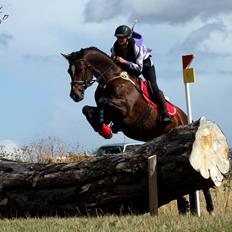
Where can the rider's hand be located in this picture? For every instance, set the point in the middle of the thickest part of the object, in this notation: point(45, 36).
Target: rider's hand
point(114, 58)
point(121, 60)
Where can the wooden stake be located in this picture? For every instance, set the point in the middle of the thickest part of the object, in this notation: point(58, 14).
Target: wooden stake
point(153, 190)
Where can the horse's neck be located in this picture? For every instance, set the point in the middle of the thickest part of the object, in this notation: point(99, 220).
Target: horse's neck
point(103, 65)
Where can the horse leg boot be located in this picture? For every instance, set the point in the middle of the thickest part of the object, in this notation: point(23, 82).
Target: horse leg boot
point(160, 99)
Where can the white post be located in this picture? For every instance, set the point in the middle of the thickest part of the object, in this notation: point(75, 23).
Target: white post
point(189, 77)
point(188, 102)
point(189, 112)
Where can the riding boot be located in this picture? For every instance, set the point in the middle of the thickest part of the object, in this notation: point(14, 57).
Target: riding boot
point(165, 117)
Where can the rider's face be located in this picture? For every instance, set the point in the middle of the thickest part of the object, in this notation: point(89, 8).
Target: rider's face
point(121, 40)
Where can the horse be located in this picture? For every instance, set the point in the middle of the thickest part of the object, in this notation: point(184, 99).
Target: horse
point(121, 99)
point(118, 97)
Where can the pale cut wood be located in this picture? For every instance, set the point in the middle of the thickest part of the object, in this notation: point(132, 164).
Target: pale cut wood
point(209, 153)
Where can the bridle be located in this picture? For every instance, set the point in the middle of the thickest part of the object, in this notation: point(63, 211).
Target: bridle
point(86, 83)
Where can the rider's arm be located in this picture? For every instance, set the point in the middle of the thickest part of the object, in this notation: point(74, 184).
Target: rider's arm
point(141, 54)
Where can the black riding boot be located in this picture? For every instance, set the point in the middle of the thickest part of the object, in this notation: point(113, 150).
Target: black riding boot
point(158, 97)
point(165, 117)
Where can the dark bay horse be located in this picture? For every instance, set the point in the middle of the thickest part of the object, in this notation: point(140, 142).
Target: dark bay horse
point(118, 97)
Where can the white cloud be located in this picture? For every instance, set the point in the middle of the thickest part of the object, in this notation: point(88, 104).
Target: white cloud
point(159, 11)
point(195, 40)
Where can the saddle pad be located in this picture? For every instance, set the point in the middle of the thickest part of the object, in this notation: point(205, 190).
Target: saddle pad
point(171, 109)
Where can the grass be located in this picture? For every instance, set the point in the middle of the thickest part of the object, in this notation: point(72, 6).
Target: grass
point(141, 223)
point(168, 219)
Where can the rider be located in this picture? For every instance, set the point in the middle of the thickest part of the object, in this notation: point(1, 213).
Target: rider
point(136, 60)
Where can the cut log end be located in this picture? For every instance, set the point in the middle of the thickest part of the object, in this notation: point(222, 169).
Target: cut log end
point(209, 154)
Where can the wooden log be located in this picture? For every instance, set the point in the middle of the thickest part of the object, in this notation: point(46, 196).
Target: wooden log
point(189, 158)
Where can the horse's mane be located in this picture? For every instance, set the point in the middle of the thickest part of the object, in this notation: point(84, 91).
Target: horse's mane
point(79, 54)
point(98, 50)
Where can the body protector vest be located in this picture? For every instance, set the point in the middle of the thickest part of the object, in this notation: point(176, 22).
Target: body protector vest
point(126, 52)
point(129, 52)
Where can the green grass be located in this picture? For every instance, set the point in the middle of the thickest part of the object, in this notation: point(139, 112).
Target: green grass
point(117, 224)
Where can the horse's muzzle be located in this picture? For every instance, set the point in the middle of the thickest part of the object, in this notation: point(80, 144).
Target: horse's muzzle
point(76, 97)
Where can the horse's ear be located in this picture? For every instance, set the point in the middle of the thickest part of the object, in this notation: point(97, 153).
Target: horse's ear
point(81, 52)
point(66, 56)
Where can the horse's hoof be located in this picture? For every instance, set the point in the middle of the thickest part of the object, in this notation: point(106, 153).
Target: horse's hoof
point(115, 129)
point(211, 213)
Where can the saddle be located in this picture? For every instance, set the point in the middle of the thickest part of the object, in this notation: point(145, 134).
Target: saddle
point(146, 93)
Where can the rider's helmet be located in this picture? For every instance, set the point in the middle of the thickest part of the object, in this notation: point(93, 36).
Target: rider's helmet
point(123, 31)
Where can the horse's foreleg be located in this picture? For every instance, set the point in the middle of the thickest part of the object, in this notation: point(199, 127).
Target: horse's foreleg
point(92, 115)
point(109, 109)
point(95, 116)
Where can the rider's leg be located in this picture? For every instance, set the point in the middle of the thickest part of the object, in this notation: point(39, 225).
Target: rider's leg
point(164, 112)
point(157, 96)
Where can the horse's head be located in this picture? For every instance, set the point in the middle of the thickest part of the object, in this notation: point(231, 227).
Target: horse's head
point(80, 73)
point(86, 64)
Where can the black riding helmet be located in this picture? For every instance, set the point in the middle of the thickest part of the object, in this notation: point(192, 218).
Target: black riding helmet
point(123, 31)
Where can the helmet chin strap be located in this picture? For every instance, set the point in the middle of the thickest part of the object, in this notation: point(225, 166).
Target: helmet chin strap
point(124, 45)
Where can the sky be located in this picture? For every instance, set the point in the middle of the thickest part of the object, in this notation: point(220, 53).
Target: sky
point(35, 85)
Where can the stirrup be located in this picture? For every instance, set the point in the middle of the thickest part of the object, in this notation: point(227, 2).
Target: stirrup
point(166, 119)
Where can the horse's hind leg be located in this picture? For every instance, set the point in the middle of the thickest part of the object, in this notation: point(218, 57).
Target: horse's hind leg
point(208, 200)
point(183, 205)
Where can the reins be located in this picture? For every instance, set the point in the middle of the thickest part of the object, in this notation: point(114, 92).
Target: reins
point(100, 79)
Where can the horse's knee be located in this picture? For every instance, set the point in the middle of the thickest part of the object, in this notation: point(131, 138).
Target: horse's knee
point(85, 110)
point(89, 111)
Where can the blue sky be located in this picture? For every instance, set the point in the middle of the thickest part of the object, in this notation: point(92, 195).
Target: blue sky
point(34, 96)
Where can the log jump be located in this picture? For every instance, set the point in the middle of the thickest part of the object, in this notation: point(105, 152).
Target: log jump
point(189, 158)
